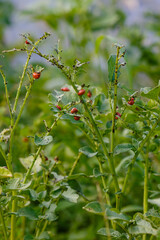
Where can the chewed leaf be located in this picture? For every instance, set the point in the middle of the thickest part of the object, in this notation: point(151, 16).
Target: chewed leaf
point(142, 227)
point(5, 173)
point(113, 233)
point(70, 195)
point(26, 162)
point(43, 141)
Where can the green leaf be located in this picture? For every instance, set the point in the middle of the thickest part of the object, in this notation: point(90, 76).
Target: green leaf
point(71, 118)
point(113, 214)
point(123, 165)
point(155, 201)
point(50, 213)
point(5, 173)
point(153, 213)
point(98, 42)
point(142, 227)
point(93, 207)
point(77, 175)
point(43, 141)
point(28, 212)
point(70, 195)
point(88, 151)
point(43, 235)
point(124, 147)
point(132, 208)
point(151, 93)
point(101, 103)
point(113, 233)
point(55, 97)
point(56, 193)
point(111, 67)
point(97, 173)
point(26, 162)
point(28, 237)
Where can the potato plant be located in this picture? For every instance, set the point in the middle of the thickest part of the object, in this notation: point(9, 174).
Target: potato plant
point(116, 136)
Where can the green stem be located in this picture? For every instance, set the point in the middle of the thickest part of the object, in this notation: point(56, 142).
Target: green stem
point(9, 166)
point(39, 150)
point(145, 194)
point(70, 77)
point(113, 120)
point(75, 164)
point(103, 182)
point(23, 105)
point(144, 141)
point(7, 95)
point(24, 71)
point(3, 225)
point(13, 218)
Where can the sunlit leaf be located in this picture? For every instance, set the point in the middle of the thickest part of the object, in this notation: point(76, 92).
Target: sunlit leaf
point(5, 173)
point(26, 162)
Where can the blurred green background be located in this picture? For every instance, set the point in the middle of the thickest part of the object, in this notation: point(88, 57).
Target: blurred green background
point(87, 30)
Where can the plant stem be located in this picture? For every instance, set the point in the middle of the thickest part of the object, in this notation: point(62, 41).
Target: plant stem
point(24, 71)
point(113, 120)
point(75, 164)
point(7, 95)
point(70, 77)
point(39, 150)
point(145, 194)
point(13, 218)
point(144, 141)
point(3, 225)
point(23, 105)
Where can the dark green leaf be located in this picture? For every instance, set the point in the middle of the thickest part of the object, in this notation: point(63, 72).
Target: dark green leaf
point(28, 212)
point(111, 67)
point(93, 207)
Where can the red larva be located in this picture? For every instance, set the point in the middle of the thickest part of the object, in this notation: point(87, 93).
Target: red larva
point(36, 75)
point(25, 139)
point(74, 110)
point(77, 118)
point(89, 94)
point(81, 92)
point(57, 106)
point(118, 114)
point(65, 89)
point(26, 42)
point(131, 102)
